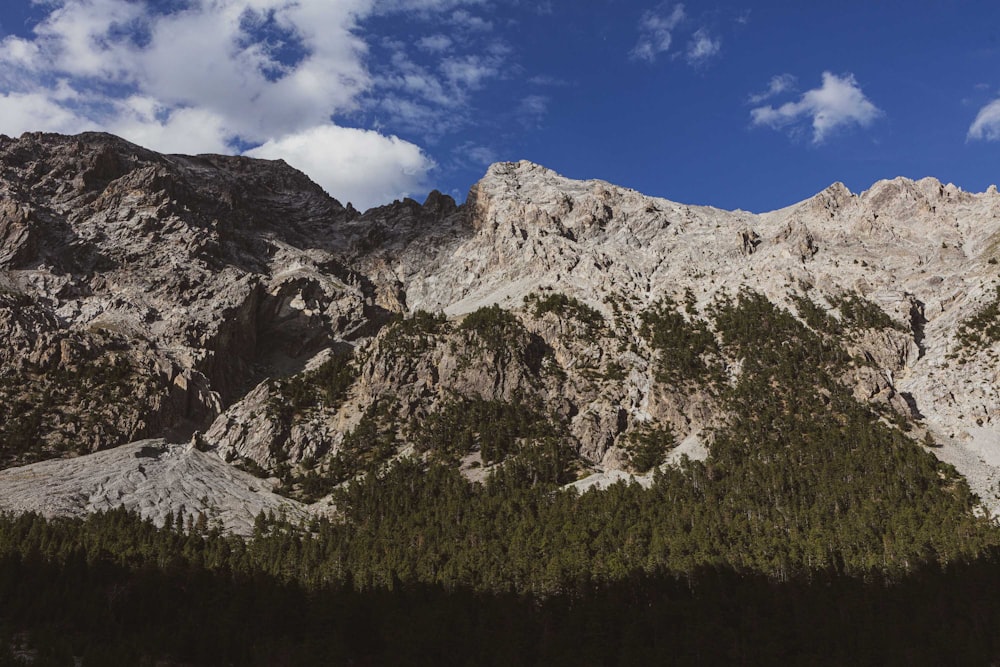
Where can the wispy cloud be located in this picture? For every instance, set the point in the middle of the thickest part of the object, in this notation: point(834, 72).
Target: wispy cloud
point(428, 88)
point(435, 43)
point(533, 108)
point(702, 47)
point(986, 126)
point(467, 21)
point(838, 103)
point(470, 153)
point(779, 84)
point(543, 80)
point(470, 71)
point(656, 33)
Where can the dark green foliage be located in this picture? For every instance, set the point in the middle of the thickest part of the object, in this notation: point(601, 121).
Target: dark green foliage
point(542, 462)
point(802, 480)
point(364, 450)
point(373, 441)
point(501, 335)
point(690, 301)
point(982, 329)
point(820, 480)
point(249, 465)
point(812, 520)
point(860, 313)
point(856, 312)
point(413, 335)
point(493, 326)
point(325, 386)
point(770, 340)
point(567, 307)
point(54, 411)
point(647, 446)
point(460, 426)
point(815, 316)
point(614, 371)
point(114, 590)
point(687, 351)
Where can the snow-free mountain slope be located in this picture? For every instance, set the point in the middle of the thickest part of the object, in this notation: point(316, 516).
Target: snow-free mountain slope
point(302, 338)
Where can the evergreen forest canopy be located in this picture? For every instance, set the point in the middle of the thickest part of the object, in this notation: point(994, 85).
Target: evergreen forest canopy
point(815, 518)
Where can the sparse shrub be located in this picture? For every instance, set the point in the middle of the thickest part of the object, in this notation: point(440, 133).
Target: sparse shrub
point(325, 386)
point(567, 307)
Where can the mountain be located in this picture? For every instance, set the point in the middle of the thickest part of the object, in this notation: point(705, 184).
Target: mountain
point(231, 304)
point(562, 423)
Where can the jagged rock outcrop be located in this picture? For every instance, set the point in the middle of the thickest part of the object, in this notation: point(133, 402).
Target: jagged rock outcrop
point(214, 271)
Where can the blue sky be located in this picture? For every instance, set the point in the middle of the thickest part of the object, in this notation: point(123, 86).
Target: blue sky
point(752, 105)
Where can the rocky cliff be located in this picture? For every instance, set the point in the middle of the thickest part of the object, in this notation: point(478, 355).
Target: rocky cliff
point(232, 301)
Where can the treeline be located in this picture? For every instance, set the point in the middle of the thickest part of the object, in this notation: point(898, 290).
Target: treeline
point(115, 596)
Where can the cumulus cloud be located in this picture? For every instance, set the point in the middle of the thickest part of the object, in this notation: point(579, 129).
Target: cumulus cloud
point(656, 33)
point(216, 75)
point(986, 127)
point(26, 112)
point(372, 167)
point(838, 103)
point(702, 47)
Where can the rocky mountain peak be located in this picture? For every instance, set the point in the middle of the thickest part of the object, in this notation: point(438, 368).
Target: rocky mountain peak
point(211, 293)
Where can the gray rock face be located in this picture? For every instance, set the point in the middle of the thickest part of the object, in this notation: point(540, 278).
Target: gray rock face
point(201, 278)
point(209, 272)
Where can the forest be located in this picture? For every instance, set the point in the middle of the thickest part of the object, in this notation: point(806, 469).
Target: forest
point(818, 531)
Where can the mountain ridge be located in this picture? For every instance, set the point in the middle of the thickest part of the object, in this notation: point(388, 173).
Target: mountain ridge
point(227, 286)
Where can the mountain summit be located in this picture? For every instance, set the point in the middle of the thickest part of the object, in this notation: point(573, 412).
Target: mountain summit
point(231, 303)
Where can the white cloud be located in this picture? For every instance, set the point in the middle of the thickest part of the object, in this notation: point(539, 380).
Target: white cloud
point(779, 83)
point(656, 33)
point(416, 80)
point(481, 155)
point(986, 127)
point(372, 167)
point(546, 80)
point(420, 117)
point(423, 6)
point(435, 43)
point(470, 71)
point(533, 109)
point(463, 19)
point(28, 112)
point(211, 75)
point(838, 103)
point(186, 130)
point(534, 105)
point(19, 53)
point(702, 47)
point(433, 99)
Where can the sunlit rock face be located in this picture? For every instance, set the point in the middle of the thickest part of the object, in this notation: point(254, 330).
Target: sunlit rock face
point(155, 296)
